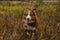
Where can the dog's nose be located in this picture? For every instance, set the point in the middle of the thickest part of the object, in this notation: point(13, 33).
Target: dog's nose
point(28, 19)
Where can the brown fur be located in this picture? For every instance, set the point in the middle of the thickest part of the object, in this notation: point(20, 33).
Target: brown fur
point(32, 16)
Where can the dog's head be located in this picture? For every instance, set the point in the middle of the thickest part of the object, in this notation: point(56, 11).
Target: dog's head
point(29, 15)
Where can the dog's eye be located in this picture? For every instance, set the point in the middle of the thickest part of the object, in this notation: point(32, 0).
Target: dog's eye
point(32, 14)
point(25, 14)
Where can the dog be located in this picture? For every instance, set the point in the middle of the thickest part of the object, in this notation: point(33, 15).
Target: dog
point(30, 16)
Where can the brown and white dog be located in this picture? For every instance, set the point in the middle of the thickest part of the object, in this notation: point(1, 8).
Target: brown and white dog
point(29, 14)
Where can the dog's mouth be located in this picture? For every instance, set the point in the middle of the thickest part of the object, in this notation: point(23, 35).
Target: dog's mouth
point(28, 19)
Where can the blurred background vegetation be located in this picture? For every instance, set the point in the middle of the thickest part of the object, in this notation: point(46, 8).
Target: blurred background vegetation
point(11, 14)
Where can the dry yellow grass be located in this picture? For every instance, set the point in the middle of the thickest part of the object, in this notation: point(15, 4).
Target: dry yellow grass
point(11, 26)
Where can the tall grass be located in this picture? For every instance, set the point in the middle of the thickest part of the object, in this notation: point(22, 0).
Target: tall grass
point(11, 26)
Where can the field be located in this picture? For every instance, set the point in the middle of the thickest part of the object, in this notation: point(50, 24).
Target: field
point(11, 25)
